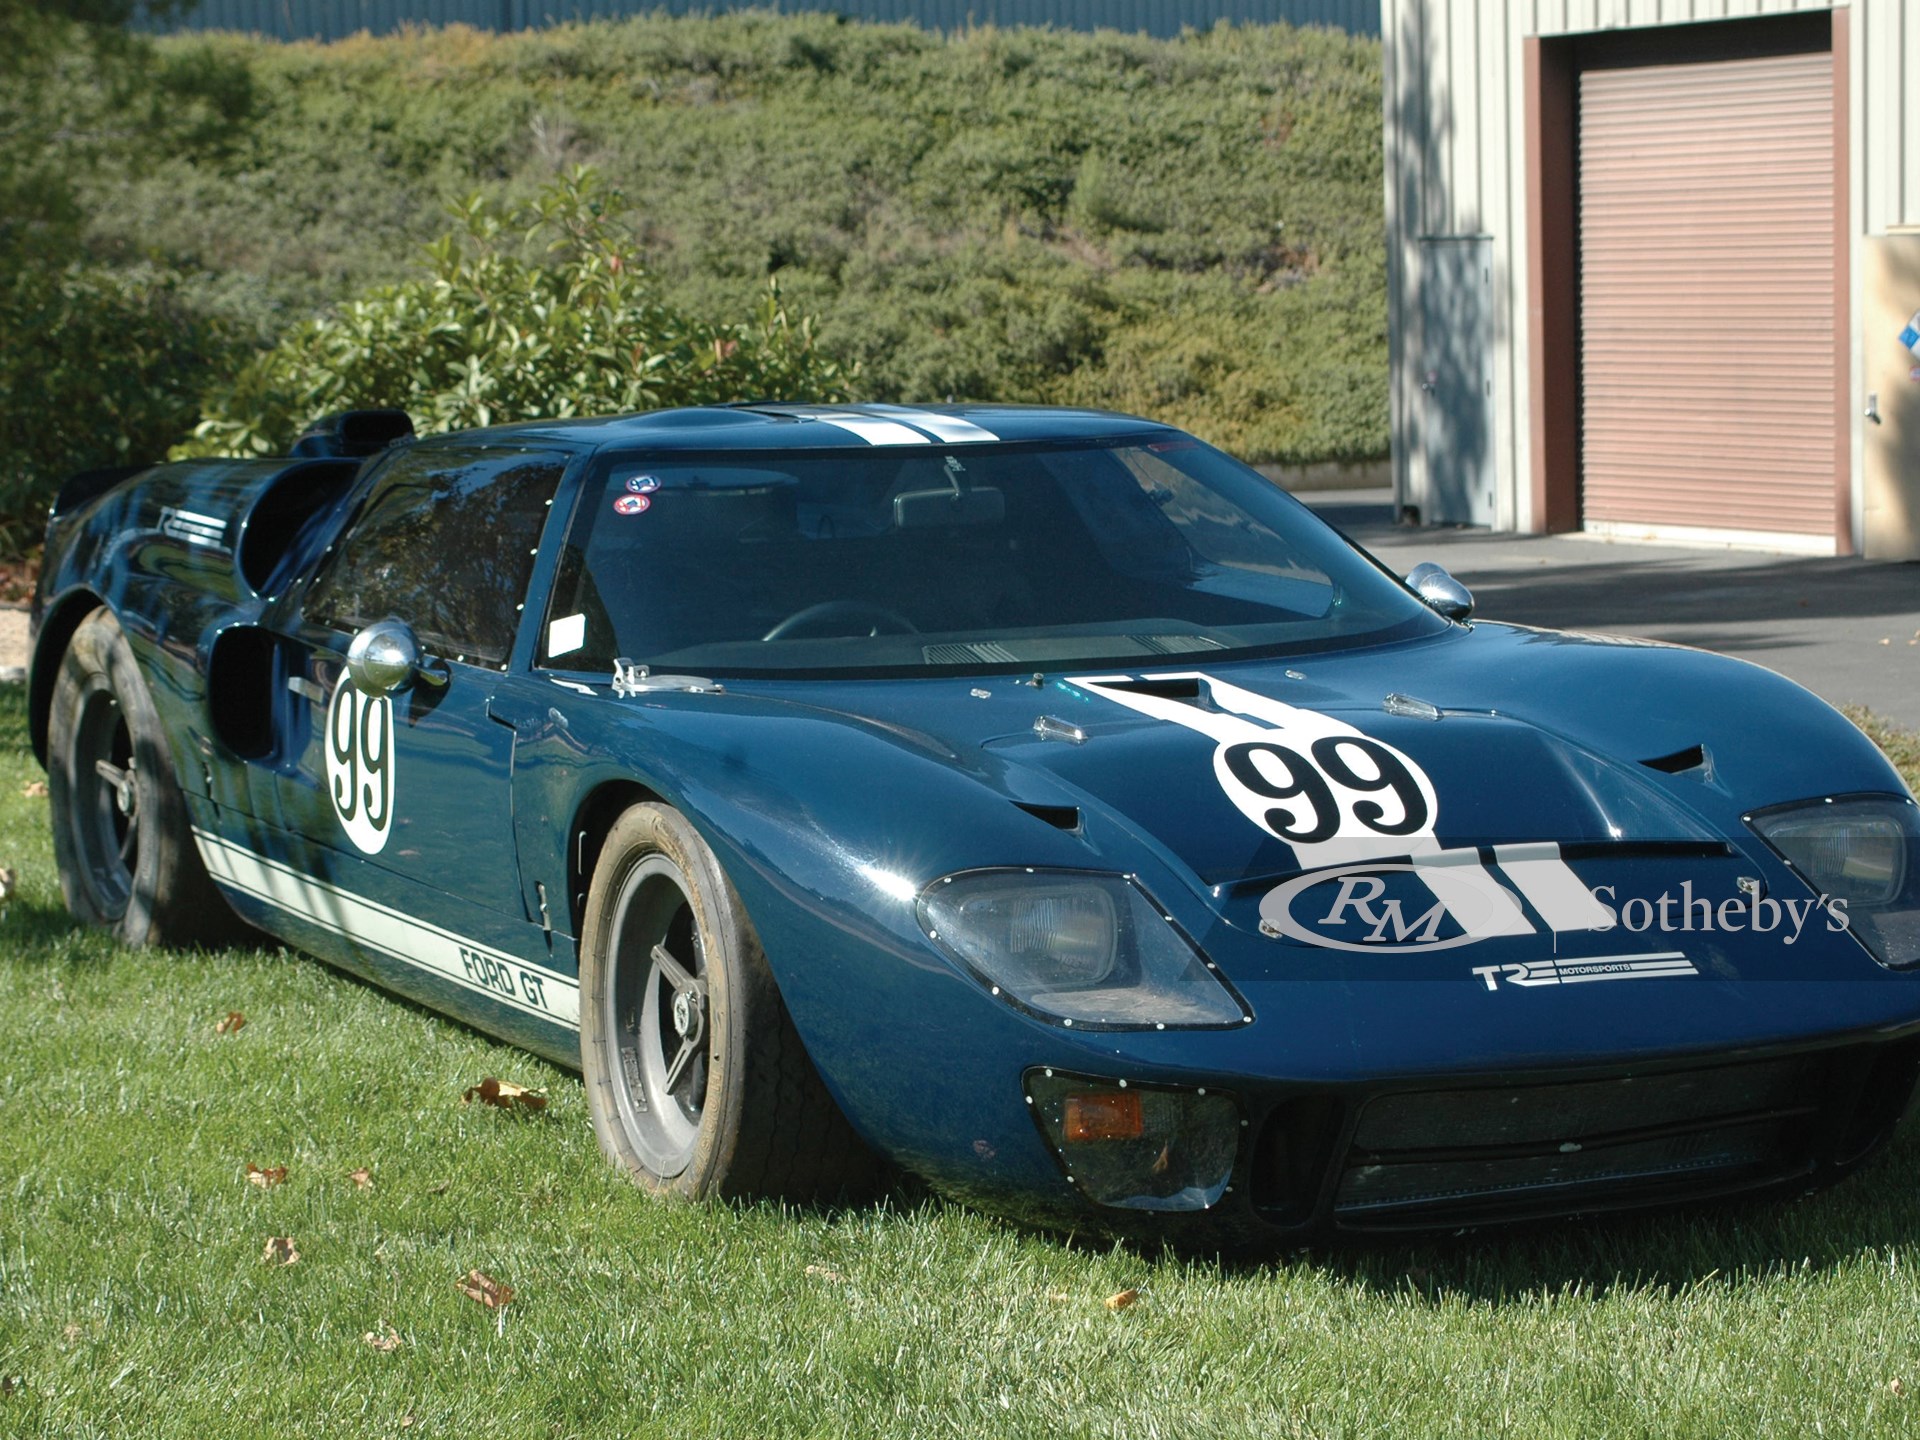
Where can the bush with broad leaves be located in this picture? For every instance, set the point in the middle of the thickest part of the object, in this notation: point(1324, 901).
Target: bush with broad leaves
point(534, 311)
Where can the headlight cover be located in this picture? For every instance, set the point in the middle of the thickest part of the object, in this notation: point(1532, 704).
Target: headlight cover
point(1858, 853)
point(1081, 949)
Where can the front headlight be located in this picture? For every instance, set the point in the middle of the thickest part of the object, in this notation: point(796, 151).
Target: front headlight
point(1857, 854)
point(1080, 949)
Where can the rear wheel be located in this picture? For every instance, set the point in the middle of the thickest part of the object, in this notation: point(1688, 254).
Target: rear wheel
point(695, 1077)
point(121, 838)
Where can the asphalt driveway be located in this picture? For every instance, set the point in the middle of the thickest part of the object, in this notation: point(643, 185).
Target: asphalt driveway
point(1848, 630)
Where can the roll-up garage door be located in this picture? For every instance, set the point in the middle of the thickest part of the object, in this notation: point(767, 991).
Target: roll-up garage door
point(1707, 306)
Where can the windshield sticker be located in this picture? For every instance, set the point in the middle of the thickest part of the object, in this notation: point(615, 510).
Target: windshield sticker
point(643, 484)
point(632, 505)
point(360, 765)
point(564, 636)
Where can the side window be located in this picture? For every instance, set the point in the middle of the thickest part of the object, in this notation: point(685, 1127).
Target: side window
point(445, 541)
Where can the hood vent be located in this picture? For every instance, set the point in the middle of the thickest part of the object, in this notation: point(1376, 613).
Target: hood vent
point(1173, 687)
point(1694, 757)
point(1061, 817)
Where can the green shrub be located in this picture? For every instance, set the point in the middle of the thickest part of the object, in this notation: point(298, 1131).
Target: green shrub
point(489, 337)
point(97, 368)
point(1188, 228)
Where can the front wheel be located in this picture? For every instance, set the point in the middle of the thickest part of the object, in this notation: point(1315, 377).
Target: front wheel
point(121, 838)
point(697, 1082)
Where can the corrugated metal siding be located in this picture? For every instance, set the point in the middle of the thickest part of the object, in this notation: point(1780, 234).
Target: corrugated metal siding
point(332, 19)
point(1886, 98)
point(1567, 17)
point(1706, 305)
point(1454, 111)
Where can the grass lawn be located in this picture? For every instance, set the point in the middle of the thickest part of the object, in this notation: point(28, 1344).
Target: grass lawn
point(134, 1299)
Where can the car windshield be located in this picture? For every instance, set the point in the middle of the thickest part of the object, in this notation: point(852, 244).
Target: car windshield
point(950, 559)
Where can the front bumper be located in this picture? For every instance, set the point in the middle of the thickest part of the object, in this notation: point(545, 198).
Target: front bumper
point(1478, 1150)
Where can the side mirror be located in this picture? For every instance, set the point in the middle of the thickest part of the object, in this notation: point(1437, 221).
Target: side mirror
point(385, 657)
point(1440, 590)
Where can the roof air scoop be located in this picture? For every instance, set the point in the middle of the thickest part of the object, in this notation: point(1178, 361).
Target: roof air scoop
point(352, 434)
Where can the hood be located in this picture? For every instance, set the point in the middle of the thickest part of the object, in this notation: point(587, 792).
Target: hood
point(1243, 774)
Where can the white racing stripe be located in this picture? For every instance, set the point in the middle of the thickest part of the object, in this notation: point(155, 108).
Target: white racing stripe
point(950, 428)
point(870, 429)
point(531, 989)
point(1551, 887)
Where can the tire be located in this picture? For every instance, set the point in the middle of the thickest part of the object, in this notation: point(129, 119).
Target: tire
point(121, 838)
point(697, 1081)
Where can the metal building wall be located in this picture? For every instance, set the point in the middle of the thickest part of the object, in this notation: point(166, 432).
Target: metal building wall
point(332, 19)
point(1456, 151)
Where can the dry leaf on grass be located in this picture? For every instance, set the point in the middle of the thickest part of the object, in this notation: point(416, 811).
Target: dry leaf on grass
point(34, 790)
point(484, 1289)
point(386, 1339)
point(233, 1021)
point(826, 1272)
point(73, 1333)
point(279, 1251)
point(439, 1187)
point(406, 1422)
point(9, 1384)
point(1121, 1300)
point(1896, 1387)
point(266, 1179)
point(505, 1094)
point(362, 1178)
point(8, 879)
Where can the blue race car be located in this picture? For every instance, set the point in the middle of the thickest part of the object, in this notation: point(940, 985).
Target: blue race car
point(1038, 800)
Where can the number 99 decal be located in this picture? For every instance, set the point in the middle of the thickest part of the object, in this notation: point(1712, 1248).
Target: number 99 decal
point(1332, 792)
point(359, 743)
point(1341, 785)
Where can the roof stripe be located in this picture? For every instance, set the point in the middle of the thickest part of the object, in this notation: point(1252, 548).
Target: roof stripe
point(950, 428)
point(869, 428)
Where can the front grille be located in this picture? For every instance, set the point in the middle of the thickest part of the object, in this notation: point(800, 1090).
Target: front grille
point(1471, 1155)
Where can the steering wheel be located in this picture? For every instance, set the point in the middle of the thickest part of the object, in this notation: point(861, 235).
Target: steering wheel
point(820, 620)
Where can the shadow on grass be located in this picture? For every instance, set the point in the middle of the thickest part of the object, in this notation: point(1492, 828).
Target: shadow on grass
point(32, 931)
point(1728, 1244)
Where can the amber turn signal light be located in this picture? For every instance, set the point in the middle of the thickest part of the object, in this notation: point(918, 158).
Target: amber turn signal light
point(1104, 1117)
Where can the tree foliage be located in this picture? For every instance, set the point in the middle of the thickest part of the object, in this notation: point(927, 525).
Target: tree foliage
point(1190, 228)
point(491, 335)
point(97, 368)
